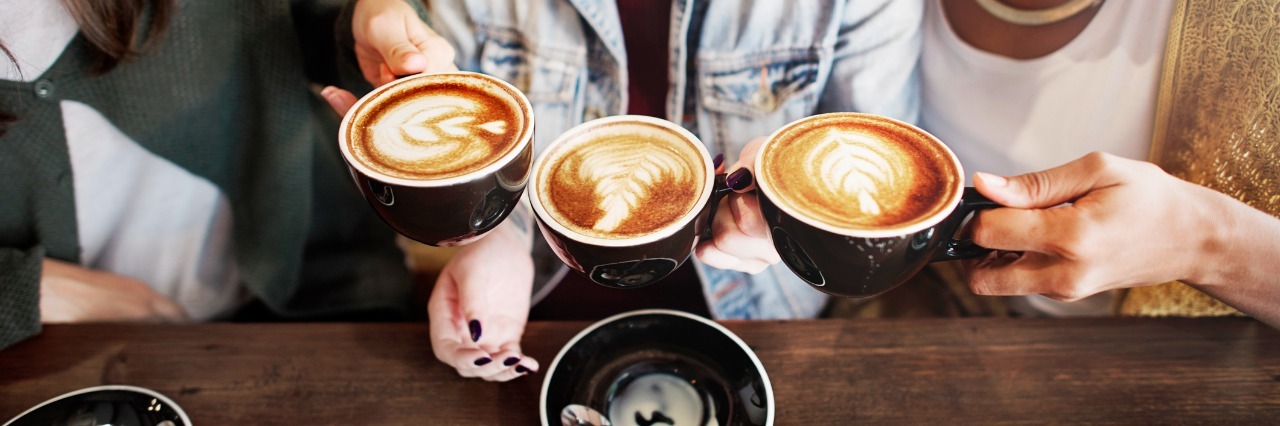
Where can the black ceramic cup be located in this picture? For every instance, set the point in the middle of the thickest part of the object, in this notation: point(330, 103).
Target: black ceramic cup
point(640, 260)
point(105, 405)
point(659, 367)
point(865, 263)
point(451, 211)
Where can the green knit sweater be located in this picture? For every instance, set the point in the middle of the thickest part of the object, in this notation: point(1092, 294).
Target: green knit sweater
point(223, 94)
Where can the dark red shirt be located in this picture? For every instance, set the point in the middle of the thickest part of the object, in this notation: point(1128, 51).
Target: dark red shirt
point(646, 31)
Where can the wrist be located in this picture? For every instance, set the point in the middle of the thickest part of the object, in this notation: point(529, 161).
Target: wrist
point(1212, 259)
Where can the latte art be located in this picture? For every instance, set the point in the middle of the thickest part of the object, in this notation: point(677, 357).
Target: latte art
point(858, 172)
point(854, 167)
point(625, 176)
point(621, 180)
point(435, 128)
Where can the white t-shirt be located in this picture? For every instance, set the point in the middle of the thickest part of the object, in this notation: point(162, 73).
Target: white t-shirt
point(137, 214)
point(1013, 116)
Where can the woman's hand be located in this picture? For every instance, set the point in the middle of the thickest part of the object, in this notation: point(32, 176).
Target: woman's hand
point(392, 41)
point(480, 304)
point(741, 239)
point(70, 293)
point(1097, 223)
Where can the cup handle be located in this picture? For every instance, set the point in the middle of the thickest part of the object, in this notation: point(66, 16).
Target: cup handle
point(718, 191)
point(953, 248)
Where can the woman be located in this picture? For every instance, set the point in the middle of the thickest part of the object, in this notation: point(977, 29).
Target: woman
point(165, 160)
point(1017, 86)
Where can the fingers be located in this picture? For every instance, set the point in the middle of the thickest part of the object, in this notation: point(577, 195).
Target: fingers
point(469, 361)
point(1050, 187)
point(396, 42)
point(340, 100)
point(479, 311)
point(1013, 229)
point(1031, 273)
point(740, 239)
point(390, 35)
point(515, 365)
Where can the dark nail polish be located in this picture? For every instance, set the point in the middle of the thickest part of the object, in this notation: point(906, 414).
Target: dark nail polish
point(483, 361)
point(739, 180)
point(475, 330)
point(520, 369)
point(715, 164)
point(511, 361)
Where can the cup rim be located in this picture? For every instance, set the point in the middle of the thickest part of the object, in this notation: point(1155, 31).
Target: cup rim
point(764, 375)
point(526, 137)
point(176, 408)
point(917, 226)
point(540, 211)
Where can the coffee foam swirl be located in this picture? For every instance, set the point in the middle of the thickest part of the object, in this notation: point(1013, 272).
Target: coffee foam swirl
point(435, 129)
point(621, 180)
point(859, 172)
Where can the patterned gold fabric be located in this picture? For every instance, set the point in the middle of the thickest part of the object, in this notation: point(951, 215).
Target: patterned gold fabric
point(1217, 120)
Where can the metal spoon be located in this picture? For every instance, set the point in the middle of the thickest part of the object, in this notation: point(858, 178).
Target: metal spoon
point(581, 415)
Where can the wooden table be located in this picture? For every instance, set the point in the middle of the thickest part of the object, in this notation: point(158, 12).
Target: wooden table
point(944, 371)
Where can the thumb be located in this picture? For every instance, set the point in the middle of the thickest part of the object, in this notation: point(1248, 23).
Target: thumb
point(398, 51)
point(1047, 188)
point(741, 175)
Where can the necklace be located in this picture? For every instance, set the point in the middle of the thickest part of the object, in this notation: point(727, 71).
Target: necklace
point(1036, 17)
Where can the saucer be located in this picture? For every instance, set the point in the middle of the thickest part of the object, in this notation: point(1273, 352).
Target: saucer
point(659, 367)
point(116, 405)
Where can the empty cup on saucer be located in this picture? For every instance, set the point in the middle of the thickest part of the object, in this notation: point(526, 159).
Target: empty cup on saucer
point(665, 367)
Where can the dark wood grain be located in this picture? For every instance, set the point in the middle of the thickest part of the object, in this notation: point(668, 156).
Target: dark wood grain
point(946, 371)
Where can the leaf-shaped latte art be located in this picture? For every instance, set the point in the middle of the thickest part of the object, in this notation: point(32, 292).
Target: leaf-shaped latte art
point(624, 177)
point(437, 127)
point(852, 168)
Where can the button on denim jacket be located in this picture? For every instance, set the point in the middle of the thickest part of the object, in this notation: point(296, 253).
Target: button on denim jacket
point(738, 70)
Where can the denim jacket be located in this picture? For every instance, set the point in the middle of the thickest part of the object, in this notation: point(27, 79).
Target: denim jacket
point(738, 70)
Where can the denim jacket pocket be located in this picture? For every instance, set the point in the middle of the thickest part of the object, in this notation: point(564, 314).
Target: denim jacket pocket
point(760, 84)
point(545, 78)
point(743, 97)
point(548, 76)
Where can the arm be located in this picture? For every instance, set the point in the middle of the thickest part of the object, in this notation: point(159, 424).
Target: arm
point(1127, 224)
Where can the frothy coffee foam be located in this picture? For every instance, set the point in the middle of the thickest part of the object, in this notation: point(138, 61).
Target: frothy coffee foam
point(436, 127)
point(859, 172)
point(621, 180)
point(660, 398)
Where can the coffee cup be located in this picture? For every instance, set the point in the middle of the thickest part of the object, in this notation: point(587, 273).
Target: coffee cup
point(624, 199)
point(856, 204)
point(656, 367)
point(442, 158)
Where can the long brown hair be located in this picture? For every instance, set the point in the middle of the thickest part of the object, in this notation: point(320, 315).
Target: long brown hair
point(113, 30)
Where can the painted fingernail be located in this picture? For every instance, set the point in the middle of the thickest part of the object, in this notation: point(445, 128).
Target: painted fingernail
point(511, 361)
point(475, 330)
point(715, 164)
point(739, 180)
point(483, 361)
point(520, 369)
